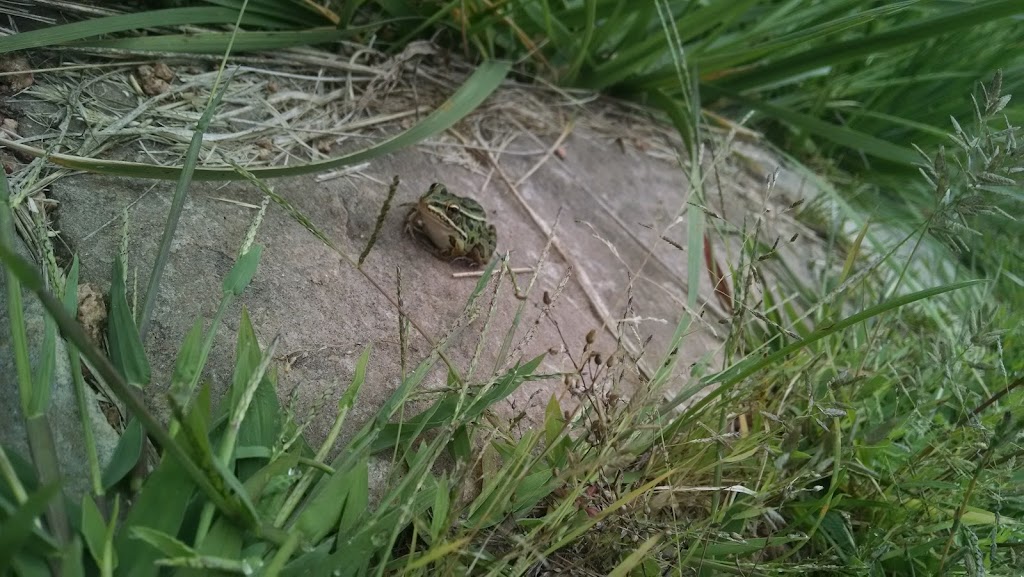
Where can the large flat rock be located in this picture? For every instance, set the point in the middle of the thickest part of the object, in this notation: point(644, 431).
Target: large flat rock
point(613, 182)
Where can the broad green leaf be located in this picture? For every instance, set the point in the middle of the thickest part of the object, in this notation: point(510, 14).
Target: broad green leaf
point(94, 530)
point(213, 564)
point(224, 539)
point(741, 455)
point(269, 486)
point(348, 400)
point(188, 364)
point(126, 350)
point(233, 491)
point(534, 487)
point(312, 563)
point(261, 426)
point(126, 455)
point(749, 545)
point(195, 434)
point(195, 429)
point(357, 497)
point(510, 483)
point(160, 506)
point(554, 423)
point(241, 274)
point(462, 444)
point(374, 536)
point(247, 452)
point(71, 287)
point(487, 77)
point(838, 531)
point(287, 507)
point(19, 524)
point(166, 544)
point(30, 566)
point(329, 509)
point(109, 553)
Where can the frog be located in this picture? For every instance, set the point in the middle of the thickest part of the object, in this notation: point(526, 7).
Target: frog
point(455, 227)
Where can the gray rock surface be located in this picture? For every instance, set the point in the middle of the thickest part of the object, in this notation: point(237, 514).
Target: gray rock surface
point(614, 182)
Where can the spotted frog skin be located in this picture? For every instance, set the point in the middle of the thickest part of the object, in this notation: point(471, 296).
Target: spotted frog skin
point(455, 227)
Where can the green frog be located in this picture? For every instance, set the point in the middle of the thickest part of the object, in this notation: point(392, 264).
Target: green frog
point(455, 226)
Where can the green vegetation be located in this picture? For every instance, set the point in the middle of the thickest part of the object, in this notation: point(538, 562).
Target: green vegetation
point(867, 426)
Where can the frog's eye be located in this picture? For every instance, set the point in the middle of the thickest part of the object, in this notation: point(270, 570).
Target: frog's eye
point(453, 210)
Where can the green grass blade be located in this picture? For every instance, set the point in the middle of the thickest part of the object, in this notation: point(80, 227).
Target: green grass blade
point(177, 205)
point(218, 42)
point(320, 513)
point(753, 363)
point(625, 569)
point(636, 58)
point(583, 47)
point(819, 56)
point(720, 60)
point(345, 405)
point(162, 542)
point(443, 410)
point(840, 135)
point(68, 33)
point(487, 77)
